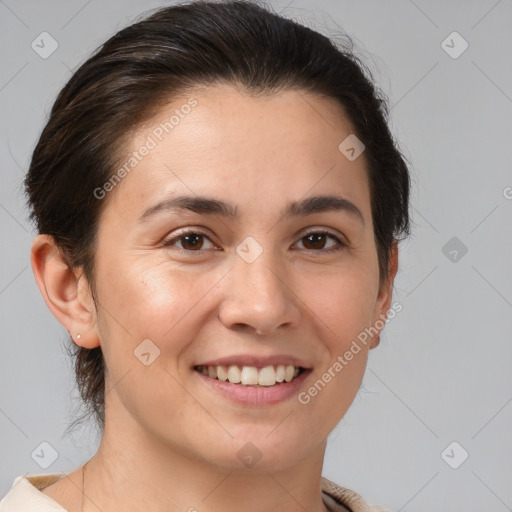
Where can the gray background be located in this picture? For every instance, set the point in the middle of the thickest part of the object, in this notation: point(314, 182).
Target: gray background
point(442, 371)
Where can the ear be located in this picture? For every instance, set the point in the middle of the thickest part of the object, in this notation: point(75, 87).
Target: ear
point(65, 292)
point(383, 302)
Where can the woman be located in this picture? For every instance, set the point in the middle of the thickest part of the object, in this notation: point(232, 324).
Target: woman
point(219, 203)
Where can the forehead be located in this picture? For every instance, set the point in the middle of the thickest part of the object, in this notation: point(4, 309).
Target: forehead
point(219, 139)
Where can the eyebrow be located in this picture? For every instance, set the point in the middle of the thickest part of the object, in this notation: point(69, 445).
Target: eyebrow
point(212, 206)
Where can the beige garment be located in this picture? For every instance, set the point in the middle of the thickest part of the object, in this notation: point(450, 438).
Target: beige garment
point(25, 496)
point(350, 499)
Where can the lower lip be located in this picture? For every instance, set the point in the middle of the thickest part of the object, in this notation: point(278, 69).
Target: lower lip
point(249, 395)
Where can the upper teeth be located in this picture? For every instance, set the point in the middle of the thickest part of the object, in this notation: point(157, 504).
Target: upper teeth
point(249, 375)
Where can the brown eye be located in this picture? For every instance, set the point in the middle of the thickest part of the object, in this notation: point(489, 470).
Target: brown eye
point(193, 241)
point(317, 241)
point(190, 241)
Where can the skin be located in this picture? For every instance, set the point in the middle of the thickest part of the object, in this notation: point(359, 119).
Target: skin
point(170, 443)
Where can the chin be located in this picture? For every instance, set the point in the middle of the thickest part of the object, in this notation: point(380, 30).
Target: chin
point(259, 450)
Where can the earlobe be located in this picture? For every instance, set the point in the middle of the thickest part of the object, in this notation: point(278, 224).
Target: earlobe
point(66, 294)
point(383, 303)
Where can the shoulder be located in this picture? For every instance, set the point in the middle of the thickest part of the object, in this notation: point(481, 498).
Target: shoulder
point(347, 498)
point(25, 495)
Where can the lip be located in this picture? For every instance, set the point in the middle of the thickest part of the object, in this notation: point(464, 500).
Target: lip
point(257, 361)
point(255, 396)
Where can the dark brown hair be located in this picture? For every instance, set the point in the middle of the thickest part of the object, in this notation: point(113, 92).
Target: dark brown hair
point(171, 52)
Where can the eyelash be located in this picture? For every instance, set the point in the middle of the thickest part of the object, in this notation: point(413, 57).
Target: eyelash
point(341, 245)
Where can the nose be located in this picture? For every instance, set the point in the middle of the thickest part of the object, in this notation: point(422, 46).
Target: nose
point(259, 297)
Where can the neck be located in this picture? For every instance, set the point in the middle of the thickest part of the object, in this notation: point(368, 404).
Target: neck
point(131, 470)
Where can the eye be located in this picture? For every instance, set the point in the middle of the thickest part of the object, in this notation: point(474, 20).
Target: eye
point(191, 241)
point(317, 240)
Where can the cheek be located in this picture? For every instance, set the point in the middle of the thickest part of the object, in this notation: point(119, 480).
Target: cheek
point(343, 302)
point(150, 298)
point(155, 301)
point(150, 302)
point(343, 305)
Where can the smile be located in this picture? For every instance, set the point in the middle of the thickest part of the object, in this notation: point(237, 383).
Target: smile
point(251, 375)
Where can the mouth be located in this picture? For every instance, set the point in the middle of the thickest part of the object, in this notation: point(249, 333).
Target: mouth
point(253, 386)
point(252, 376)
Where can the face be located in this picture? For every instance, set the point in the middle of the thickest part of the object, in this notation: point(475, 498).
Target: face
point(272, 274)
